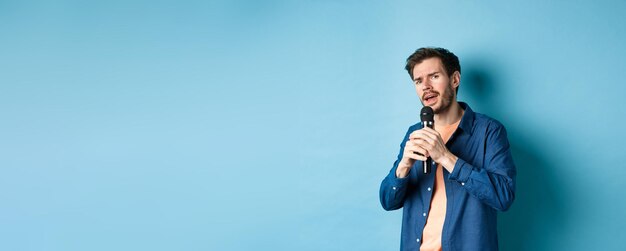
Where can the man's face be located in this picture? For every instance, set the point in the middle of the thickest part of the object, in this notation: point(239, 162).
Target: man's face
point(434, 87)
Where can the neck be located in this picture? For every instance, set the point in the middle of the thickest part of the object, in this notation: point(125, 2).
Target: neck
point(450, 115)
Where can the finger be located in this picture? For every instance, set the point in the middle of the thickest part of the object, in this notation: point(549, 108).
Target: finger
point(415, 156)
point(412, 143)
point(417, 150)
point(423, 143)
point(428, 137)
point(419, 134)
point(417, 142)
point(424, 133)
point(430, 133)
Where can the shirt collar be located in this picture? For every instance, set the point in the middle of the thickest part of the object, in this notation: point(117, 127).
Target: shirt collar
point(467, 121)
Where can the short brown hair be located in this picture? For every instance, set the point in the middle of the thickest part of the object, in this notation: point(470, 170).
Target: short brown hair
point(448, 59)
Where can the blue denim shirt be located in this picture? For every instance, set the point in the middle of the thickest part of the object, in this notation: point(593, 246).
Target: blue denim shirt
point(482, 183)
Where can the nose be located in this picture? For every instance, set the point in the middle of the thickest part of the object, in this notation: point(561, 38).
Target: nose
point(427, 85)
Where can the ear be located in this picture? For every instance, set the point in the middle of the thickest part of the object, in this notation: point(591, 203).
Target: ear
point(456, 79)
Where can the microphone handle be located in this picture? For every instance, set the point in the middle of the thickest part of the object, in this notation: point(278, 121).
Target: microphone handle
point(428, 164)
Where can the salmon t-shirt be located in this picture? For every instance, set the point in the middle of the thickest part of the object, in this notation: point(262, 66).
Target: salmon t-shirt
point(431, 237)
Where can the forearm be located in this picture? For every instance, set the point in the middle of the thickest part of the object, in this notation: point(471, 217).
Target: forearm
point(494, 188)
point(402, 171)
point(448, 161)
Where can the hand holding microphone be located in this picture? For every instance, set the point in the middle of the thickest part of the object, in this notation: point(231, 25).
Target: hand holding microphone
point(413, 151)
point(425, 145)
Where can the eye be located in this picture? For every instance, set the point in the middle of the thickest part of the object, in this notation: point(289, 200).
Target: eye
point(436, 76)
point(417, 82)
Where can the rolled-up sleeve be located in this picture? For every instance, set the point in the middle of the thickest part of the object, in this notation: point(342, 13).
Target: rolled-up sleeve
point(393, 189)
point(493, 183)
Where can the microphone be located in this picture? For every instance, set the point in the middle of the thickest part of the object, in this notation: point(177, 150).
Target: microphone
point(428, 120)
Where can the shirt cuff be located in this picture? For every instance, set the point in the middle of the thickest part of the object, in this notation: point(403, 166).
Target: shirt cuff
point(461, 172)
point(396, 182)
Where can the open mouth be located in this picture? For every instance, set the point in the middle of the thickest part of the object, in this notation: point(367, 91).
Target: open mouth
point(430, 98)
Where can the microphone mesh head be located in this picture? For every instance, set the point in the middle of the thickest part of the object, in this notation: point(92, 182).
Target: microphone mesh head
point(427, 114)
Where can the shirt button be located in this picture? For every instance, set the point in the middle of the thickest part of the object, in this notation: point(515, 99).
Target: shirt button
point(394, 188)
point(429, 189)
point(462, 183)
point(424, 214)
point(418, 240)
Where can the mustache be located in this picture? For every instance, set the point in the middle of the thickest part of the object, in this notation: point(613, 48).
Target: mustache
point(428, 93)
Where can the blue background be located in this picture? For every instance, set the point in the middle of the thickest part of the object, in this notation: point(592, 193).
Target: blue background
point(268, 125)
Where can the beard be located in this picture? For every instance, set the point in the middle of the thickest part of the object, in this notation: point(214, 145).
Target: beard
point(446, 100)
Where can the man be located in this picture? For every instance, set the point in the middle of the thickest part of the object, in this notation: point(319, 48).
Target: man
point(473, 176)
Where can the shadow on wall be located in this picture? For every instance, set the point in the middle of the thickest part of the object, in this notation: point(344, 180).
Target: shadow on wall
point(538, 211)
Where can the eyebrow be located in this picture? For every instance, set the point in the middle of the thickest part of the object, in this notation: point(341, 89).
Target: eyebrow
point(430, 74)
